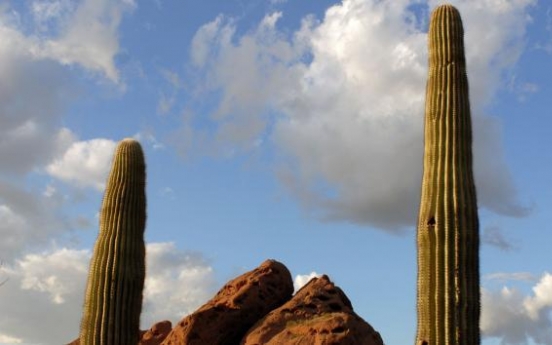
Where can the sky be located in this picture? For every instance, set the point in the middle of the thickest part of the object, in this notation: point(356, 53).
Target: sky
point(281, 129)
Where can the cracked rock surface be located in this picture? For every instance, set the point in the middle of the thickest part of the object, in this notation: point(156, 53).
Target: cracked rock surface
point(319, 314)
point(235, 308)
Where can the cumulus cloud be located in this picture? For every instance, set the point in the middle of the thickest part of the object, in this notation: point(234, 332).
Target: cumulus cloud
point(515, 318)
point(252, 75)
point(29, 107)
point(302, 279)
point(342, 99)
point(89, 33)
point(27, 220)
point(82, 33)
point(54, 282)
point(85, 163)
point(177, 284)
point(47, 12)
point(34, 84)
point(35, 89)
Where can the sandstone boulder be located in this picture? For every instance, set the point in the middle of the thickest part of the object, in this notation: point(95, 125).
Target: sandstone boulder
point(319, 314)
point(225, 319)
point(156, 334)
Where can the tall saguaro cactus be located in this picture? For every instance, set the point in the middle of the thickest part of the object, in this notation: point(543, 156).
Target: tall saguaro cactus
point(448, 226)
point(113, 300)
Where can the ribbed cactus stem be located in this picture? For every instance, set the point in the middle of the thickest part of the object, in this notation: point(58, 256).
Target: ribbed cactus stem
point(448, 226)
point(113, 300)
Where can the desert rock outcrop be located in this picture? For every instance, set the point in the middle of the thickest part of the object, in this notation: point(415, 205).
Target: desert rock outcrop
point(257, 308)
point(319, 314)
point(156, 334)
point(235, 308)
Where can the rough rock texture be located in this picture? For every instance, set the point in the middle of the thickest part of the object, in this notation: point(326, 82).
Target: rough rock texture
point(319, 314)
point(257, 308)
point(235, 308)
point(154, 336)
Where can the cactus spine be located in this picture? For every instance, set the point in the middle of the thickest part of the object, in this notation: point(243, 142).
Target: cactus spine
point(113, 300)
point(448, 227)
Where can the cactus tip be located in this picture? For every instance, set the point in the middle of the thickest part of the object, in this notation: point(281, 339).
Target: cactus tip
point(129, 141)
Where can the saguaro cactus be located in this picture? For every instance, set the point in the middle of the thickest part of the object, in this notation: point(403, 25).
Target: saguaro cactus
point(448, 226)
point(113, 300)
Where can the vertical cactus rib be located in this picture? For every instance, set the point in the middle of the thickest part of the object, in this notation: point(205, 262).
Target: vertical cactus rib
point(113, 299)
point(448, 299)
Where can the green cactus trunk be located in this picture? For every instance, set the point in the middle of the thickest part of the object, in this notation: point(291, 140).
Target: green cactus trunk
point(113, 300)
point(448, 226)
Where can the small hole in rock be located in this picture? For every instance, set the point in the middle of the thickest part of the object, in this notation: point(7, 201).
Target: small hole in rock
point(323, 297)
point(335, 307)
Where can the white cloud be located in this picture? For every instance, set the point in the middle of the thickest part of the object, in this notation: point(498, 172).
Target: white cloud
point(90, 36)
point(4, 339)
point(25, 126)
point(45, 291)
point(53, 283)
point(343, 99)
point(40, 273)
point(177, 283)
point(83, 33)
point(517, 319)
point(491, 52)
point(28, 220)
point(48, 12)
point(85, 163)
point(31, 68)
point(541, 302)
point(148, 137)
point(302, 279)
point(516, 276)
point(10, 220)
point(35, 89)
point(207, 33)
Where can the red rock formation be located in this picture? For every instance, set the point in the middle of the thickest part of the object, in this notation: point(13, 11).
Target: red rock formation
point(156, 334)
point(250, 310)
point(235, 308)
point(319, 314)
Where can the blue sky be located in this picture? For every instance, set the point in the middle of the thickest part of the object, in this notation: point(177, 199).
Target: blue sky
point(280, 129)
